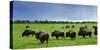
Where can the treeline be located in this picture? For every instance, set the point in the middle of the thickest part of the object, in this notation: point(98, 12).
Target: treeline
point(46, 21)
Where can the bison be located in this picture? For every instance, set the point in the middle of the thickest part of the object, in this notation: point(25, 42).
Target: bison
point(28, 32)
point(27, 26)
point(73, 26)
point(67, 26)
point(95, 30)
point(57, 34)
point(84, 32)
point(71, 34)
point(42, 36)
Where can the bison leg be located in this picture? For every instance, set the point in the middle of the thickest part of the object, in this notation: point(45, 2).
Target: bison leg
point(47, 41)
point(72, 37)
point(27, 35)
point(32, 34)
point(83, 36)
point(56, 37)
point(62, 37)
point(42, 41)
point(89, 35)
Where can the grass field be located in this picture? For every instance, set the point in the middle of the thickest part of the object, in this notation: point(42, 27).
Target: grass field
point(20, 42)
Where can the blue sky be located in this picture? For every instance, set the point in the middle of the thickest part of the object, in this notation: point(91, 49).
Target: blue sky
point(52, 12)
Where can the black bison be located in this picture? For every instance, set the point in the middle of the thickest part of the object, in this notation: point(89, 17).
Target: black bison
point(67, 26)
point(27, 26)
point(28, 32)
point(95, 30)
point(71, 34)
point(42, 36)
point(57, 34)
point(84, 32)
point(73, 26)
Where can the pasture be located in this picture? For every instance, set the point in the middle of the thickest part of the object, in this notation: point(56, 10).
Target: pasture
point(20, 42)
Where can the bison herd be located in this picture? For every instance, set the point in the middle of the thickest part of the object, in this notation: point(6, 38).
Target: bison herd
point(43, 36)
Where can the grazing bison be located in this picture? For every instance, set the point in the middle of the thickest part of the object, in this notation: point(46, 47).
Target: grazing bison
point(73, 26)
point(28, 32)
point(27, 26)
point(57, 34)
point(42, 36)
point(67, 26)
point(84, 32)
point(95, 30)
point(71, 34)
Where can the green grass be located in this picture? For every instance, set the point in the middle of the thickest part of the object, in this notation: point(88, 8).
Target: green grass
point(20, 42)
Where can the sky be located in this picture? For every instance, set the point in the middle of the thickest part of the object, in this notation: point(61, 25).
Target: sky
point(53, 11)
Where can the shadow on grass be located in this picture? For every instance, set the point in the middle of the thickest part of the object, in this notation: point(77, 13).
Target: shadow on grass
point(60, 39)
point(33, 43)
point(38, 45)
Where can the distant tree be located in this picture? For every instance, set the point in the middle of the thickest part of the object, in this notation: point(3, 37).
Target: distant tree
point(46, 21)
point(35, 21)
point(17, 21)
point(27, 21)
point(21, 21)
